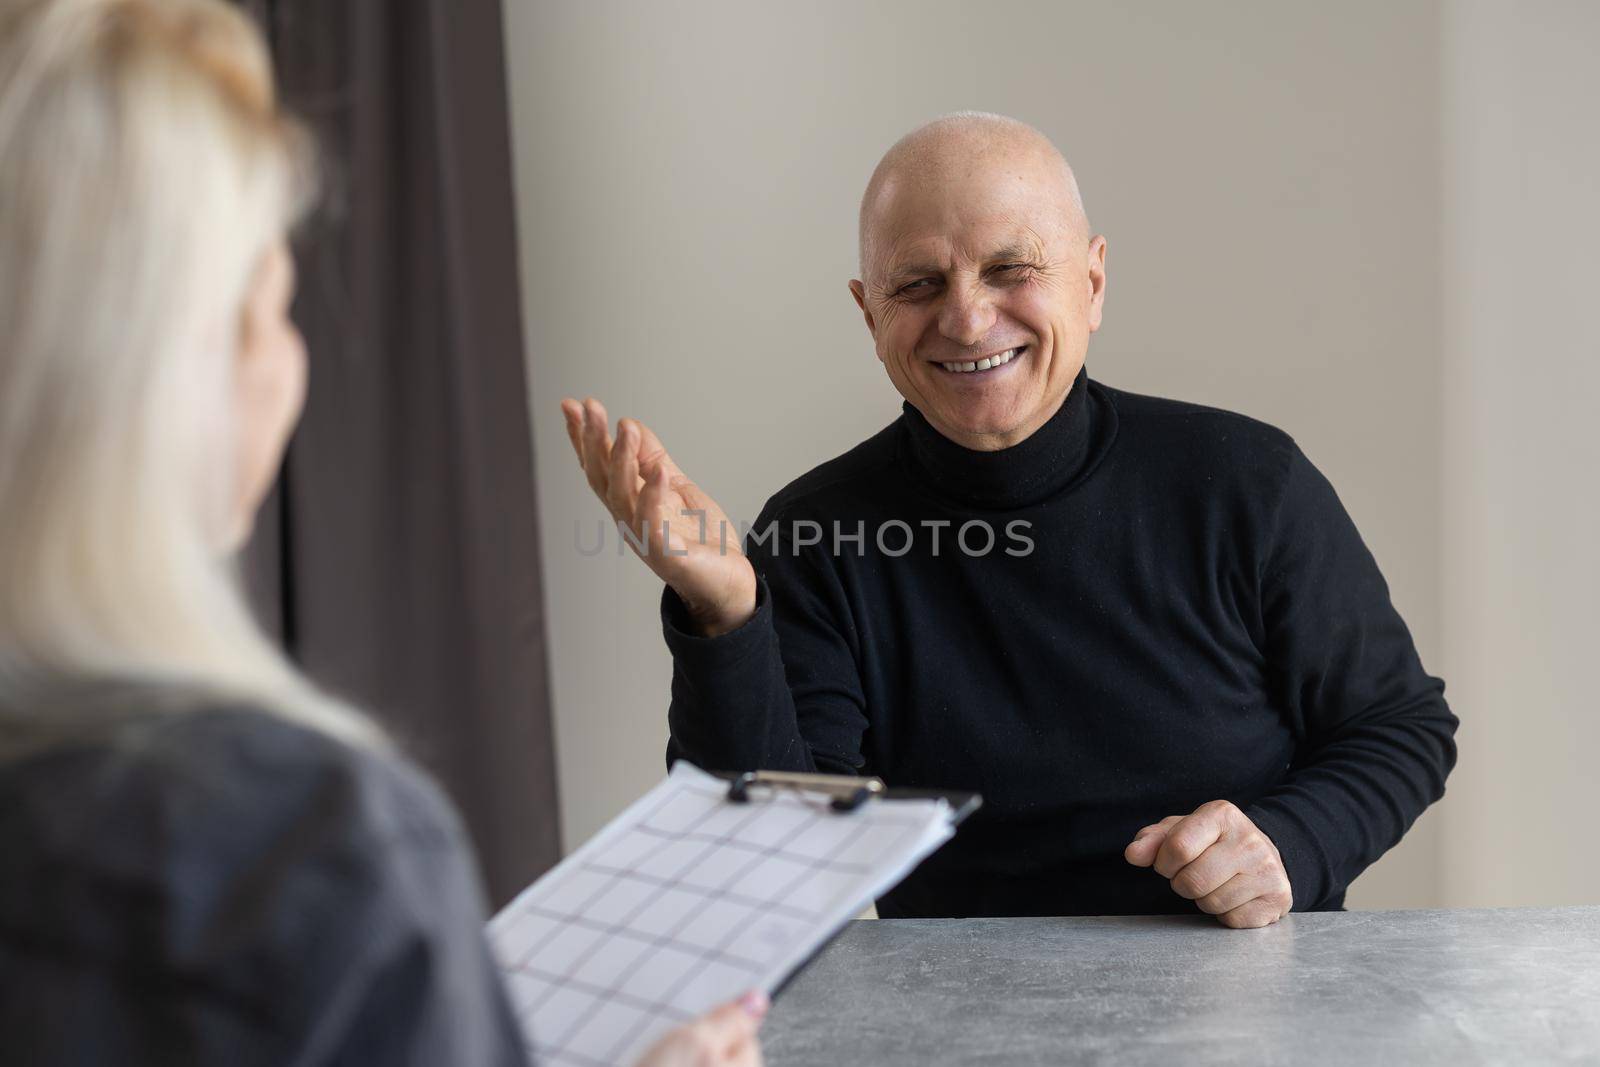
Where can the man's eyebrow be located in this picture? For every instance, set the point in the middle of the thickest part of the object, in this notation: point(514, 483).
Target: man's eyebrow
point(913, 270)
point(1017, 250)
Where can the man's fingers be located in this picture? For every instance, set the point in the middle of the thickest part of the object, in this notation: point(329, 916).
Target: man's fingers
point(696, 499)
point(596, 445)
point(1188, 838)
point(1210, 870)
point(620, 471)
point(622, 488)
point(1141, 851)
point(1239, 890)
point(652, 451)
point(652, 508)
point(1253, 914)
point(1218, 858)
point(572, 415)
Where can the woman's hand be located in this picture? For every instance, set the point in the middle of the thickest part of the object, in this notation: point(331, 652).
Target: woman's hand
point(725, 1037)
point(679, 531)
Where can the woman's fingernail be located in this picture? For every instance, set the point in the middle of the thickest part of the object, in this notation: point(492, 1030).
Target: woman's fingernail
point(755, 1003)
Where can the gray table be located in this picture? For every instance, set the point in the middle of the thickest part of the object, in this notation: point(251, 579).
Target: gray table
point(1410, 987)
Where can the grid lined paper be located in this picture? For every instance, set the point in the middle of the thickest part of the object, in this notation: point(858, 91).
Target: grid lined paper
point(687, 900)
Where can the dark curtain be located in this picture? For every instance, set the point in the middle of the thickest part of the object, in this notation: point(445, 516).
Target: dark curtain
point(398, 558)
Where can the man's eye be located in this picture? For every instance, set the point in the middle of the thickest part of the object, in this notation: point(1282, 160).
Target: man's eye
point(919, 284)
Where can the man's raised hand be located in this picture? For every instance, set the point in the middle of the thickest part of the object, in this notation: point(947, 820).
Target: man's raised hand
point(1219, 859)
point(679, 531)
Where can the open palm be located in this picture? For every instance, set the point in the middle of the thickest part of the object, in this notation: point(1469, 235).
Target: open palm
point(668, 520)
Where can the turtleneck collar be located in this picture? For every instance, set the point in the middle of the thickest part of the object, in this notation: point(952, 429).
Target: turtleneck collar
point(1058, 455)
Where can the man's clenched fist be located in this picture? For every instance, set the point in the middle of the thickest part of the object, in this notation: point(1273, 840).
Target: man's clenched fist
point(1217, 858)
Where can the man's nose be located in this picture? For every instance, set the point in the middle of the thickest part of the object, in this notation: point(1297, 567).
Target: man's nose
point(967, 315)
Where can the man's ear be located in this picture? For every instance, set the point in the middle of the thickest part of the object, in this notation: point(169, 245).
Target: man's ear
point(859, 291)
point(1097, 281)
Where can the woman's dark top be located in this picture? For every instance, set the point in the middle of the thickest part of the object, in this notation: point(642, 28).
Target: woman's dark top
point(224, 887)
point(1197, 619)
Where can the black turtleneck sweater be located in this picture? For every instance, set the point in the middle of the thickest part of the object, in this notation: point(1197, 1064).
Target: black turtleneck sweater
point(1188, 614)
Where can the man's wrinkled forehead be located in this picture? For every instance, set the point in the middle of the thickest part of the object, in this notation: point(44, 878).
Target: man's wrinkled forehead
point(949, 224)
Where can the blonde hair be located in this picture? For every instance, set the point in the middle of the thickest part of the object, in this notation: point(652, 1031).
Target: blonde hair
point(145, 169)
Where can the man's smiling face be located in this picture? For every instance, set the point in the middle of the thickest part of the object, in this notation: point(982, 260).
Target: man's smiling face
point(980, 284)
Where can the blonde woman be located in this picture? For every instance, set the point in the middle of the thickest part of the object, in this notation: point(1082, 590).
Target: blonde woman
point(203, 859)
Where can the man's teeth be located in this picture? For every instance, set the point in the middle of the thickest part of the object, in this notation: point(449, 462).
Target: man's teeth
point(982, 364)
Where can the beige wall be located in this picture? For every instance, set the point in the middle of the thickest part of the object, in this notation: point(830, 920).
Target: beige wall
point(1521, 575)
point(1268, 178)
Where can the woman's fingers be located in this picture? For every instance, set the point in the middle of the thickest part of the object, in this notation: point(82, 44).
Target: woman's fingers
point(730, 1031)
point(725, 1036)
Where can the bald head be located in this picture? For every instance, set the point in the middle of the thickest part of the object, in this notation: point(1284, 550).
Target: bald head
point(963, 148)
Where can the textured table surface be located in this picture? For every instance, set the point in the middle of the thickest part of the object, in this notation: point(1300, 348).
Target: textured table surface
point(1517, 985)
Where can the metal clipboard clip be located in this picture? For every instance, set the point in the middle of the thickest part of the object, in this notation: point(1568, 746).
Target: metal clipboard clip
point(845, 793)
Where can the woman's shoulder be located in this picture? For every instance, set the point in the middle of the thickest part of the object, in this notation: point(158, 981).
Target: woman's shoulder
point(220, 847)
point(212, 777)
point(218, 877)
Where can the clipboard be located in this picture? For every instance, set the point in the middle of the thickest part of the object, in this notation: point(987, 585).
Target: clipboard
point(847, 793)
point(707, 886)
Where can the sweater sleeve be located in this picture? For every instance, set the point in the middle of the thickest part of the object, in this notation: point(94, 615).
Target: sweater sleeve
point(782, 692)
point(1374, 737)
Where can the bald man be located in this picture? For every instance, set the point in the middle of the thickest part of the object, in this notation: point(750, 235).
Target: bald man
point(1146, 631)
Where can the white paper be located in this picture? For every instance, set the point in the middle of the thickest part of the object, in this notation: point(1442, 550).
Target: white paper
point(685, 901)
